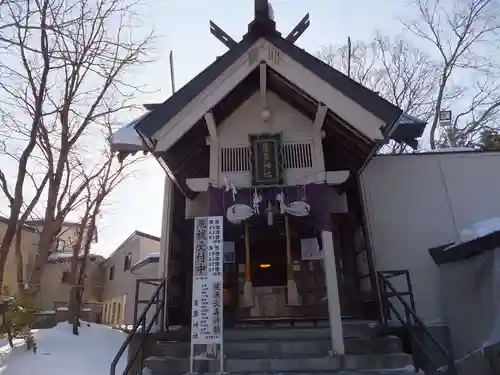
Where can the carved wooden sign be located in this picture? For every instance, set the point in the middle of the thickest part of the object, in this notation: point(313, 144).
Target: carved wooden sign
point(266, 159)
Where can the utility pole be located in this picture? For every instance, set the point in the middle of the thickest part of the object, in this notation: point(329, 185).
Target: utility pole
point(172, 77)
point(166, 230)
point(349, 56)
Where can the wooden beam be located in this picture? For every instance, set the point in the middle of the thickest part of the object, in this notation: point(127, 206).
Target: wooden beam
point(212, 129)
point(298, 30)
point(319, 120)
point(263, 84)
point(223, 37)
point(331, 178)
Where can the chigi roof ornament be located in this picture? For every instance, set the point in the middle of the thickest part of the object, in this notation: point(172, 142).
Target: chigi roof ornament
point(264, 22)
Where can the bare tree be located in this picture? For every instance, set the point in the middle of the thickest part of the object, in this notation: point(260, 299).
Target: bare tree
point(392, 67)
point(15, 30)
point(490, 139)
point(98, 189)
point(464, 37)
point(364, 66)
point(72, 57)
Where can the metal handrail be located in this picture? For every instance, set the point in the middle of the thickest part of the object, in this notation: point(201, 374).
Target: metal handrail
point(150, 281)
point(141, 322)
point(410, 314)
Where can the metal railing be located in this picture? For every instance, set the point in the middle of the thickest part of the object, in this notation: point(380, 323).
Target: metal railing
point(141, 326)
point(411, 321)
point(141, 302)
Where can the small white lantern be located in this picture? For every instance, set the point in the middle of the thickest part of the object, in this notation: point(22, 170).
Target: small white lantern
point(445, 119)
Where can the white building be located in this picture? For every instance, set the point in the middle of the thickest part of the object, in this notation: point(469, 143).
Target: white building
point(136, 258)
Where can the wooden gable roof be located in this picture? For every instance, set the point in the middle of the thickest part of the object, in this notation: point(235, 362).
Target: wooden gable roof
point(188, 156)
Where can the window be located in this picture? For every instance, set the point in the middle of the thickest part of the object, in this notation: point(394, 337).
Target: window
point(128, 260)
point(65, 277)
point(111, 272)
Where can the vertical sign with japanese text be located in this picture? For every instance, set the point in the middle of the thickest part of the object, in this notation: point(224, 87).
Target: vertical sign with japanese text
point(208, 260)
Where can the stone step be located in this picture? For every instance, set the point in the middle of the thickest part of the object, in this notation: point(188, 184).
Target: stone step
point(350, 329)
point(283, 331)
point(287, 349)
point(405, 371)
point(176, 366)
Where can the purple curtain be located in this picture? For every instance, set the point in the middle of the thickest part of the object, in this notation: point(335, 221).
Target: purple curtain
point(317, 195)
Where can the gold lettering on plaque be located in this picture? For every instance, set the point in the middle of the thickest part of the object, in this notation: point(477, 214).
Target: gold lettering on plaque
point(266, 161)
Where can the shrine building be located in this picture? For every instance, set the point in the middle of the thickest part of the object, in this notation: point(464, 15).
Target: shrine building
point(286, 149)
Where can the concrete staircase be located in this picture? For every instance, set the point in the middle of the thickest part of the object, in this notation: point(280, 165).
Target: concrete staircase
point(284, 349)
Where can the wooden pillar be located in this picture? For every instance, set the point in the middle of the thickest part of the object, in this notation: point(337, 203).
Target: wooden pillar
point(247, 300)
point(124, 306)
point(104, 318)
point(332, 287)
point(293, 297)
point(334, 312)
point(166, 238)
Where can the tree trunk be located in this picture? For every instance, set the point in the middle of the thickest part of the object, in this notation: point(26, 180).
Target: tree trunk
point(73, 294)
point(4, 249)
point(10, 337)
point(73, 306)
point(81, 273)
point(19, 260)
point(78, 306)
point(46, 242)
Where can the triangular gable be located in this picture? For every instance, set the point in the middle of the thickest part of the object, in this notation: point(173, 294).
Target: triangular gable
point(178, 101)
point(354, 103)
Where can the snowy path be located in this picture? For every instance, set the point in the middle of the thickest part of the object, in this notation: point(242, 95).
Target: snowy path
point(61, 353)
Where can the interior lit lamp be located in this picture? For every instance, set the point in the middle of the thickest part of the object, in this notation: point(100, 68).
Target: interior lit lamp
point(445, 122)
point(265, 265)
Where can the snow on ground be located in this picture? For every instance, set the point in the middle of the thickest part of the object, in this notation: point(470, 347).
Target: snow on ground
point(62, 353)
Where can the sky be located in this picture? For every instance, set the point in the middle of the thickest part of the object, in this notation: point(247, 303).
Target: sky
point(183, 27)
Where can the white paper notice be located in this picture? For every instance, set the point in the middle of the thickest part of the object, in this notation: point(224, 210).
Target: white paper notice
point(310, 249)
point(228, 248)
point(206, 314)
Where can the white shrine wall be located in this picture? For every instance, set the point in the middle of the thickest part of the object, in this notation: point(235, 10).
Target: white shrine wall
point(230, 154)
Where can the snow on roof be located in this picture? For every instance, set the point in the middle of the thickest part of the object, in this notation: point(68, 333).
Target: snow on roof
point(60, 256)
point(67, 255)
point(126, 138)
point(452, 149)
point(150, 258)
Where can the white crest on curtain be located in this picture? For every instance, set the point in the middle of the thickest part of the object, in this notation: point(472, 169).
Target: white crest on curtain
point(296, 208)
point(238, 213)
